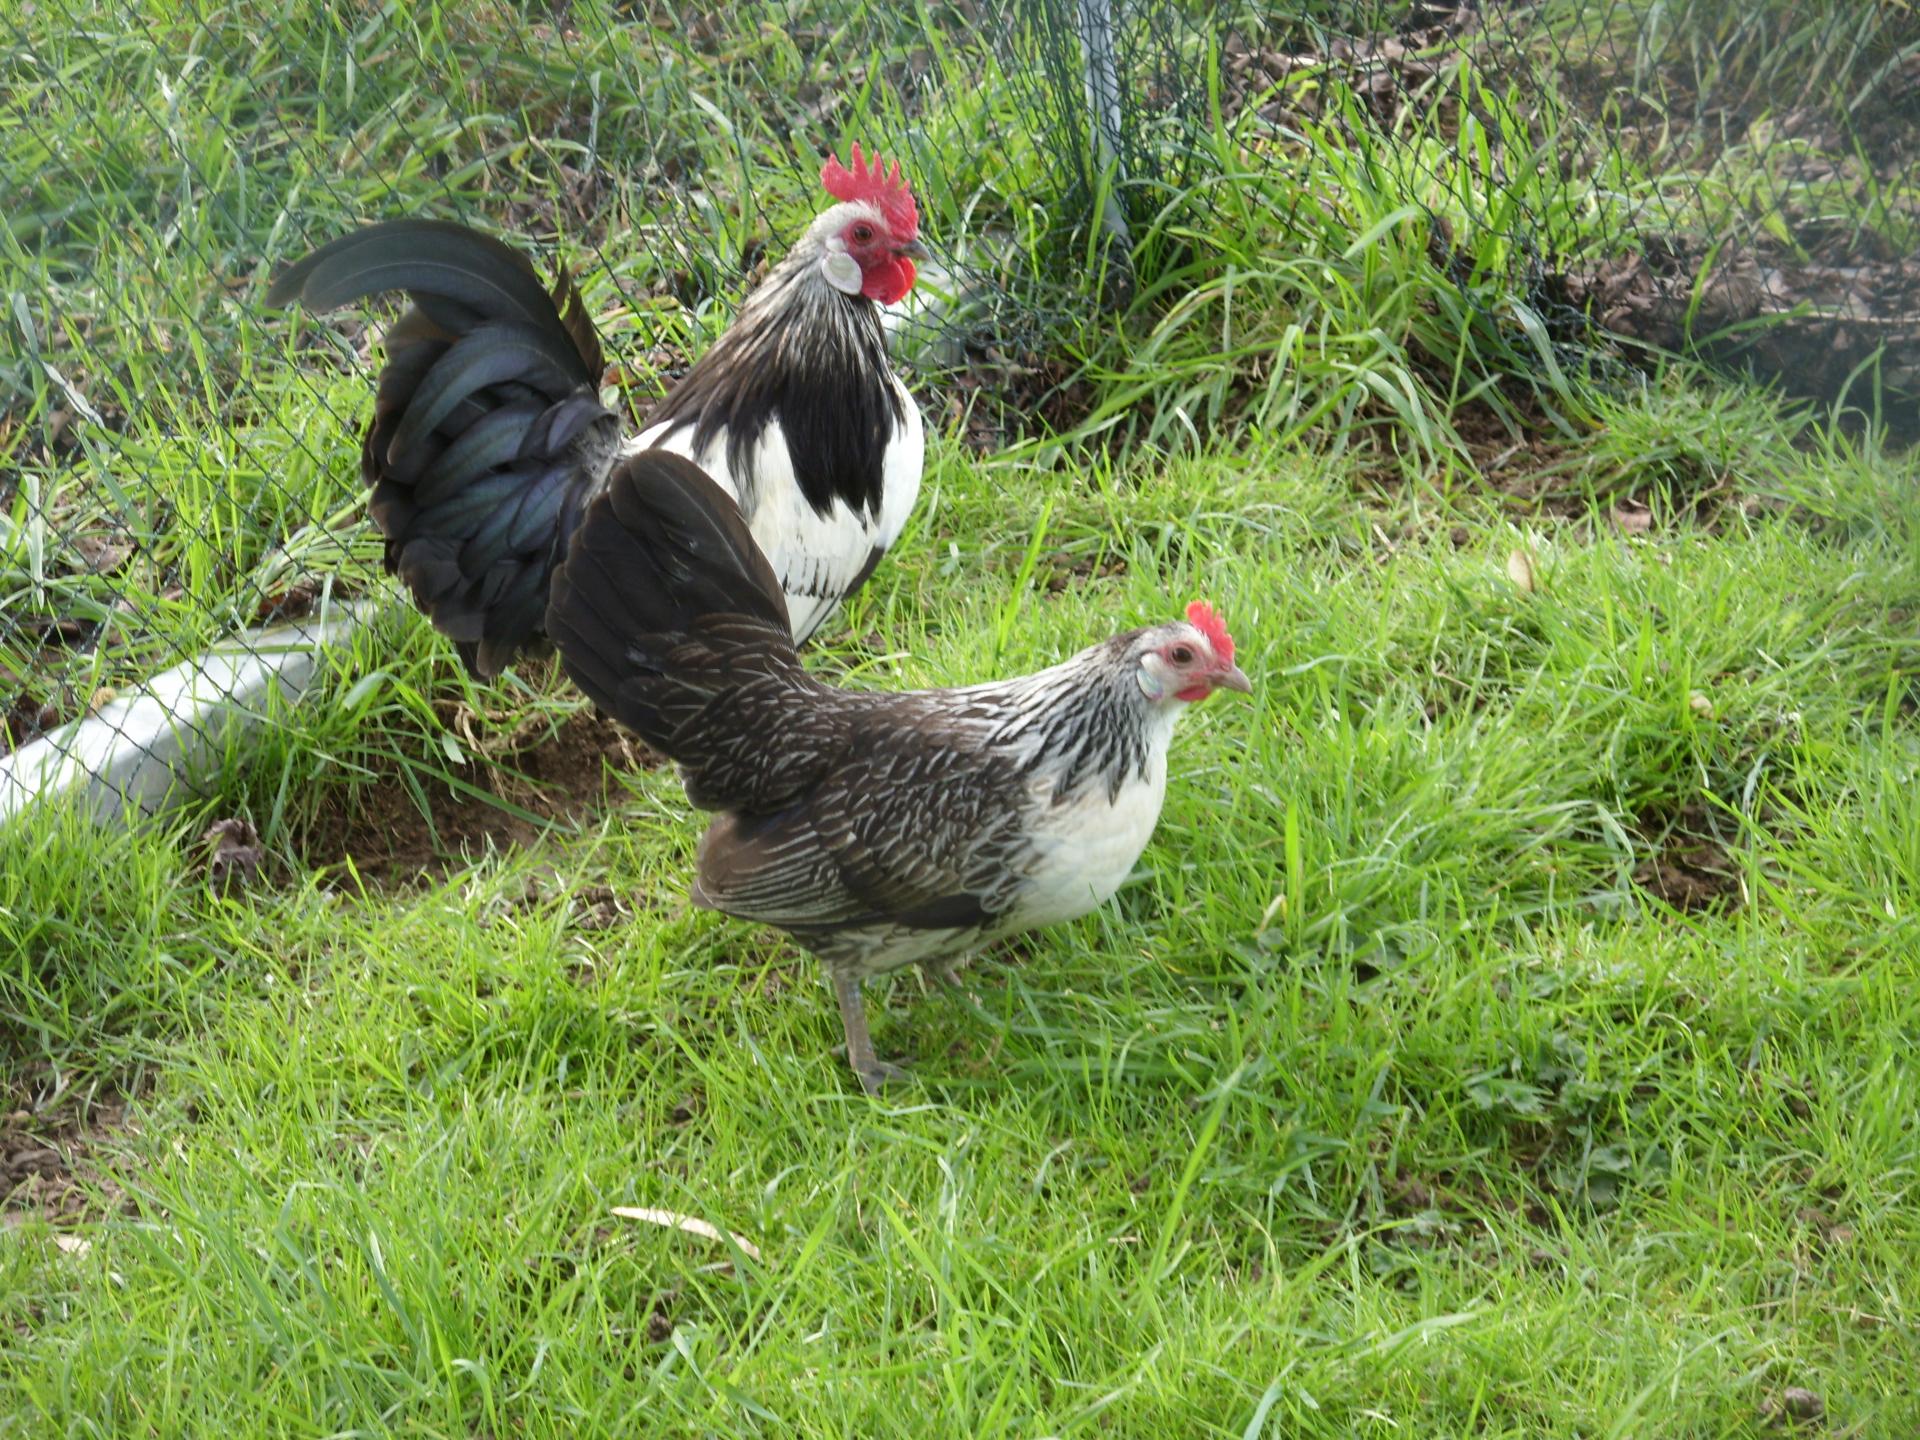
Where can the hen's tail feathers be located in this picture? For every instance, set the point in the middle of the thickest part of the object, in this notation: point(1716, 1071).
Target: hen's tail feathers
point(670, 618)
point(487, 438)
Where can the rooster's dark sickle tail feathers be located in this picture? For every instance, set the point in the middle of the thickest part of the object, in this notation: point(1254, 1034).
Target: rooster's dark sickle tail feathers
point(487, 437)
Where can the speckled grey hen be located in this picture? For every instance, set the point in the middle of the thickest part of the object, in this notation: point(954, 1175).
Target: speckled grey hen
point(879, 830)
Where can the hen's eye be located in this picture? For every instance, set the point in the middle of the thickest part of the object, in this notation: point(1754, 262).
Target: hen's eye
point(1183, 654)
point(862, 234)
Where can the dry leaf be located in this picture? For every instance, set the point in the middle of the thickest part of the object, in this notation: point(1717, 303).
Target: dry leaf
point(1632, 517)
point(102, 555)
point(289, 604)
point(693, 1225)
point(1520, 571)
point(1700, 705)
point(73, 1244)
point(234, 854)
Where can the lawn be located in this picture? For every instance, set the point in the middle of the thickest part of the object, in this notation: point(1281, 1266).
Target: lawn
point(1508, 1032)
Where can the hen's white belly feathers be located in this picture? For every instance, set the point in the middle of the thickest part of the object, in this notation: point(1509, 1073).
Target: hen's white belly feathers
point(819, 558)
point(1085, 847)
point(1080, 853)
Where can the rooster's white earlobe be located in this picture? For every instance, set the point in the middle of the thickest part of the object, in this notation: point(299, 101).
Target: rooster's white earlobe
point(842, 272)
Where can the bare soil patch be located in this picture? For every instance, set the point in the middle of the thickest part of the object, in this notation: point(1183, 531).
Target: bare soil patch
point(1689, 866)
point(49, 1133)
point(1807, 325)
point(561, 775)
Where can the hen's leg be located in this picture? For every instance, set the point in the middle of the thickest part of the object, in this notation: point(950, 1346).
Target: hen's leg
point(873, 1071)
point(941, 971)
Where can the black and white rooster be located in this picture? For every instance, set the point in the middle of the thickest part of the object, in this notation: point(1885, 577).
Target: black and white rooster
point(879, 830)
point(488, 437)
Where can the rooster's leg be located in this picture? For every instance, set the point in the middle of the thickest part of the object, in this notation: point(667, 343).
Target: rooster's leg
point(873, 1071)
point(940, 972)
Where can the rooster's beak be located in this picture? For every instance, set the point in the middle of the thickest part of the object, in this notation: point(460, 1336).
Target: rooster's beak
point(913, 250)
point(1234, 678)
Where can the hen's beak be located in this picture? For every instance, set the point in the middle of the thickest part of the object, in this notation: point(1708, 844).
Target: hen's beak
point(1233, 678)
point(913, 250)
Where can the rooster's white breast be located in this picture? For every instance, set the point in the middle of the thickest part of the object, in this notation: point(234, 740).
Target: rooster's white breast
point(820, 558)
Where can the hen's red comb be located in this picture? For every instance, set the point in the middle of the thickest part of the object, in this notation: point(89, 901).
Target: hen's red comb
point(1203, 618)
point(880, 187)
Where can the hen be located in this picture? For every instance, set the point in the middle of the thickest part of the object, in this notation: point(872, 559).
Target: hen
point(878, 830)
point(488, 437)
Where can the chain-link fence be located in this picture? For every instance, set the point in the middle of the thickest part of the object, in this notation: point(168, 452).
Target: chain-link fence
point(177, 465)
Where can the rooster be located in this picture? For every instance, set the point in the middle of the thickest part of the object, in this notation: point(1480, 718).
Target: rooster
point(878, 830)
point(488, 437)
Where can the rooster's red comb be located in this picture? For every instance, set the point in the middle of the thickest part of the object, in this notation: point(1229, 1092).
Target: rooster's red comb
point(880, 187)
point(1203, 618)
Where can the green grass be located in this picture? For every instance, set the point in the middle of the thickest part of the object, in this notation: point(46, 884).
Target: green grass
point(1390, 1098)
point(1385, 1099)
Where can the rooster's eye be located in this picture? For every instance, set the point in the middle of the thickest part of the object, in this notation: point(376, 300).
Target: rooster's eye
point(1182, 655)
point(862, 234)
